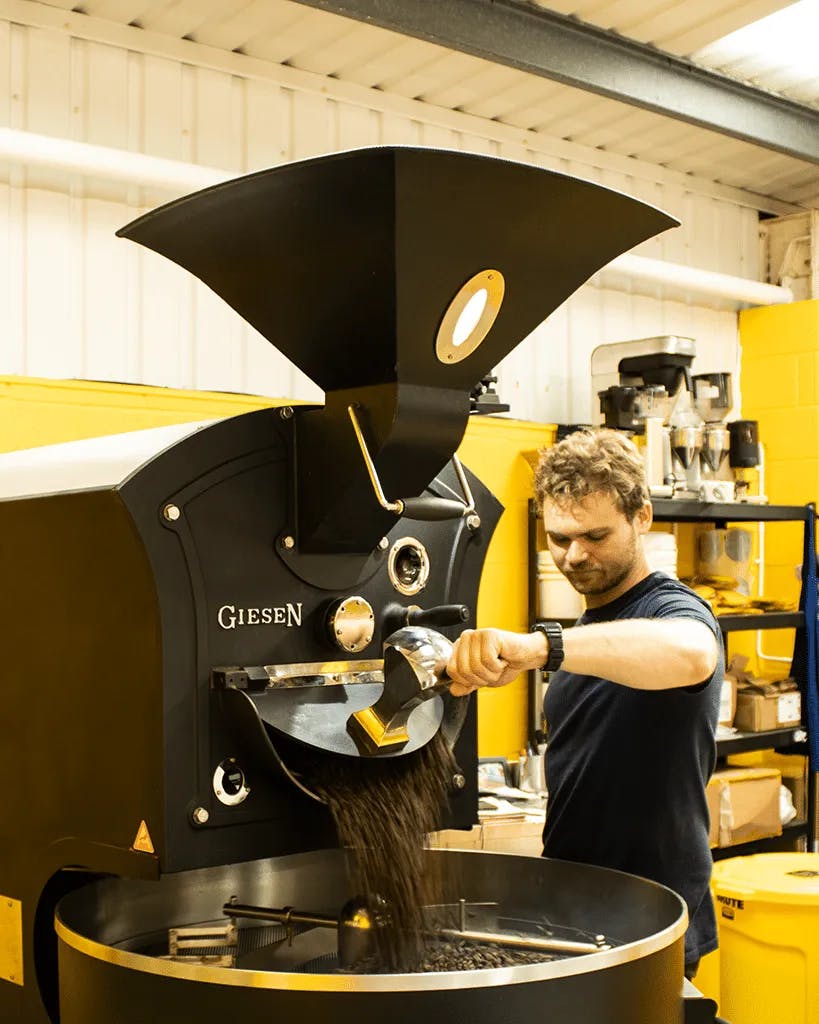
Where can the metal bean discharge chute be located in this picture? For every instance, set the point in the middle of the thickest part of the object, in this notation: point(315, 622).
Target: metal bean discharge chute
point(198, 612)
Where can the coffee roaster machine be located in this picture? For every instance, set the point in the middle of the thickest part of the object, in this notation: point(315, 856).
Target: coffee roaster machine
point(194, 616)
point(678, 419)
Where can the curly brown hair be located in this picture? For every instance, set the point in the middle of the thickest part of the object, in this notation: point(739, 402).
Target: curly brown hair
point(593, 462)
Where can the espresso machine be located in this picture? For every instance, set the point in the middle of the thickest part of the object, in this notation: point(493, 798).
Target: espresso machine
point(196, 615)
point(677, 419)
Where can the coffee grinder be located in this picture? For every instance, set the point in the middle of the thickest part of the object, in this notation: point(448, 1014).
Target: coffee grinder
point(644, 387)
point(713, 400)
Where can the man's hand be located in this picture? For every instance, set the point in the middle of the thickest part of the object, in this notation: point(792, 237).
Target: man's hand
point(493, 657)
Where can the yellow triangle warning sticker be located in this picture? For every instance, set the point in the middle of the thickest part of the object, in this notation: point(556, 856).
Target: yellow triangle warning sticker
point(143, 841)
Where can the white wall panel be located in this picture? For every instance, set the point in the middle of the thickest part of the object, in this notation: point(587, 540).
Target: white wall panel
point(76, 301)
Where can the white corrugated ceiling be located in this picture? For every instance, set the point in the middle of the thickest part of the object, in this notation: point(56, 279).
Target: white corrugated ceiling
point(312, 40)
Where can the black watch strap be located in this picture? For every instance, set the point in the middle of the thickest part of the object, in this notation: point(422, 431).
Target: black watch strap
point(553, 632)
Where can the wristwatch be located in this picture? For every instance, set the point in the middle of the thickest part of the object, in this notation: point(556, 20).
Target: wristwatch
point(553, 632)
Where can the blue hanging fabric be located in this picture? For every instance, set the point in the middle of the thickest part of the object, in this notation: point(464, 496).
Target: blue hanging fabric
point(806, 647)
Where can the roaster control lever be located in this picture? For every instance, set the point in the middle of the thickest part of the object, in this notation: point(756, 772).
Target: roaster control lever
point(396, 616)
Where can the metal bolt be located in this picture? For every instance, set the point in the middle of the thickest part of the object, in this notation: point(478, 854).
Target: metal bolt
point(473, 522)
point(286, 412)
point(288, 542)
point(200, 816)
point(384, 543)
point(171, 513)
point(458, 781)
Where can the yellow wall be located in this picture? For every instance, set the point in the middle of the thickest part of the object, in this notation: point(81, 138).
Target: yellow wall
point(493, 450)
point(38, 412)
point(780, 388)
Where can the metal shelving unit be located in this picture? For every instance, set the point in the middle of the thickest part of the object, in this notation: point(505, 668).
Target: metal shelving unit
point(773, 739)
point(767, 620)
point(771, 844)
point(667, 510)
point(786, 741)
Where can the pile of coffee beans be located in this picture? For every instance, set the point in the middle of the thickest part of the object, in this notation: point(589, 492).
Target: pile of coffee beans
point(460, 955)
point(473, 956)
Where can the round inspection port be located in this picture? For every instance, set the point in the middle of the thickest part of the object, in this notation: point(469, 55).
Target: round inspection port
point(469, 316)
point(408, 566)
point(229, 783)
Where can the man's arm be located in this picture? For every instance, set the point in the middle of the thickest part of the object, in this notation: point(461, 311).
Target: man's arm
point(645, 654)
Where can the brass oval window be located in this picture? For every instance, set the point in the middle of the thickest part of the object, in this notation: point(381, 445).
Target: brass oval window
point(470, 316)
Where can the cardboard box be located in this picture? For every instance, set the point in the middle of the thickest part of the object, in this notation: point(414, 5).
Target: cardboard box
point(457, 839)
point(769, 706)
point(762, 704)
point(524, 838)
point(794, 770)
point(728, 701)
point(744, 805)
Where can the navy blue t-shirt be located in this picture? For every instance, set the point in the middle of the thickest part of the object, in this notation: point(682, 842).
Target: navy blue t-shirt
point(626, 769)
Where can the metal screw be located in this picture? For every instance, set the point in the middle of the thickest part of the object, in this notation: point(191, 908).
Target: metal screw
point(384, 543)
point(286, 412)
point(200, 816)
point(458, 781)
point(171, 513)
point(288, 542)
point(473, 522)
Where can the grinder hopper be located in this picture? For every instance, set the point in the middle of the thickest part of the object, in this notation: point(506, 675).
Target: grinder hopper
point(356, 266)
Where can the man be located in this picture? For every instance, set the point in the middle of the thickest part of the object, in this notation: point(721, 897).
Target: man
point(633, 697)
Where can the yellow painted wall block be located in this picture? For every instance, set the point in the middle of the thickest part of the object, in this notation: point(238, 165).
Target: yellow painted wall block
point(779, 329)
point(782, 581)
point(783, 543)
point(792, 481)
point(787, 433)
point(771, 381)
point(807, 378)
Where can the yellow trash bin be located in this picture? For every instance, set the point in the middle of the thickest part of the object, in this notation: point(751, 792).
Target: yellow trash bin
point(768, 907)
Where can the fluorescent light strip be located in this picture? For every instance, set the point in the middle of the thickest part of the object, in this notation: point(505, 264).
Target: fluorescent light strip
point(103, 162)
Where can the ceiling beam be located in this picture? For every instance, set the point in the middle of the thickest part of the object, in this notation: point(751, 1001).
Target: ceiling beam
point(527, 37)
